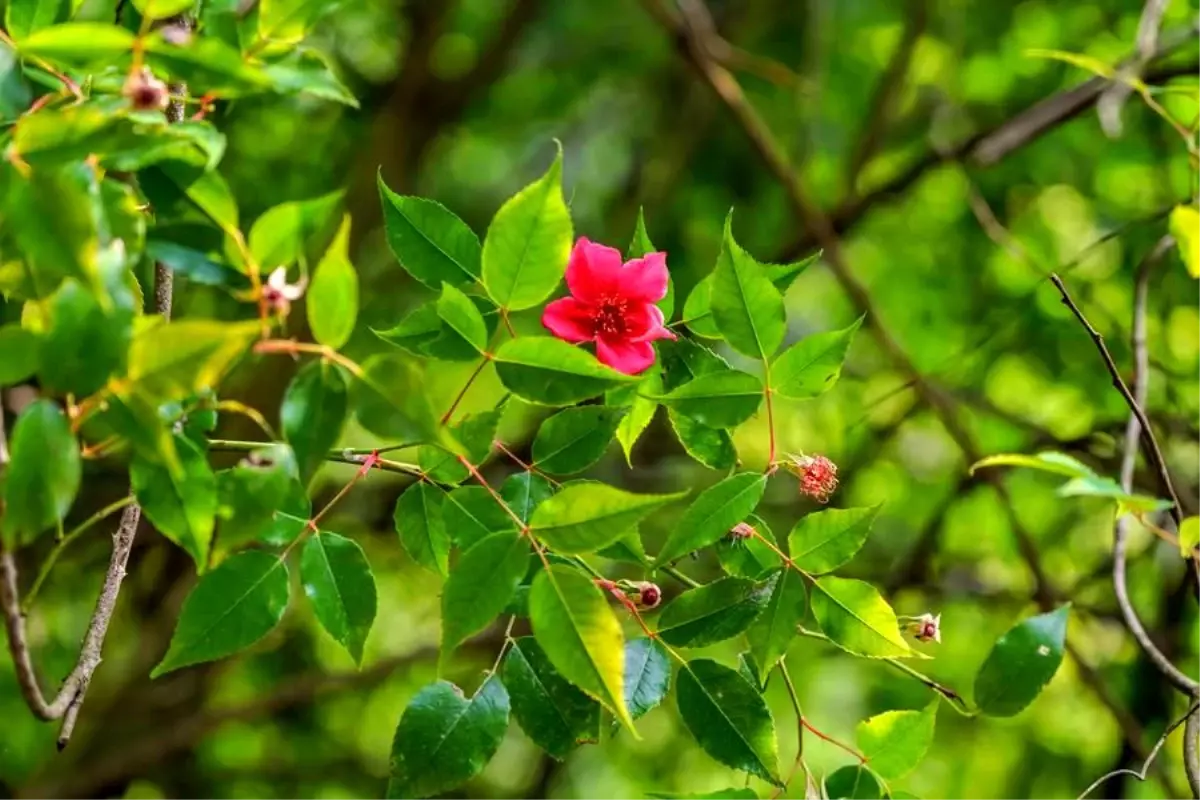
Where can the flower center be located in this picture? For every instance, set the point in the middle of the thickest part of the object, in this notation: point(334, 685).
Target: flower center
point(609, 317)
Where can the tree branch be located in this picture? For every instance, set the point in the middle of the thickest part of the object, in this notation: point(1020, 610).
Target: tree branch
point(1141, 383)
point(1108, 107)
point(1141, 774)
point(1149, 441)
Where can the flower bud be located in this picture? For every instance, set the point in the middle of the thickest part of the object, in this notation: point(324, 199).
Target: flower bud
point(925, 628)
point(649, 595)
point(145, 92)
point(278, 294)
point(818, 476)
point(741, 532)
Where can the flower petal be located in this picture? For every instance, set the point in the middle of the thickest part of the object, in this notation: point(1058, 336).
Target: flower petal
point(624, 355)
point(569, 320)
point(593, 270)
point(657, 329)
point(645, 278)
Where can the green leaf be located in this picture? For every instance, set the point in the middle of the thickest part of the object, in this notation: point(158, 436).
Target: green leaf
point(49, 216)
point(161, 9)
point(170, 361)
point(463, 318)
point(313, 412)
point(206, 64)
point(1021, 663)
point(526, 248)
point(628, 548)
point(18, 354)
point(206, 268)
point(308, 71)
point(333, 296)
point(471, 514)
point(712, 447)
point(289, 21)
point(431, 243)
point(78, 44)
point(385, 403)
point(773, 631)
point(854, 782)
point(854, 617)
point(231, 608)
point(207, 190)
point(639, 406)
point(424, 332)
point(1189, 536)
point(87, 340)
point(480, 587)
point(720, 794)
point(337, 580)
point(812, 366)
point(25, 17)
point(290, 519)
point(418, 520)
point(647, 675)
point(729, 718)
point(717, 399)
point(551, 372)
point(749, 558)
point(552, 712)
point(1049, 461)
point(697, 309)
point(1184, 225)
point(284, 233)
point(684, 359)
point(575, 438)
point(713, 613)
point(1096, 486)
point(894, 742)
point(43, 473)
point(825, 540)
point(587, 515)
point(249, 494)
point(580, 635)
point(746, 306)
point(443, 740)
point(713, 513)
point(181, 503)
point(524, 492)
point(640, 246)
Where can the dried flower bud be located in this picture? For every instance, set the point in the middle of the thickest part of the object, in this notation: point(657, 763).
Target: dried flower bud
point(925, 628)
point(279, 294)
point(741, 532)
point(649, 595)
point(818, 476)
point(145, 92)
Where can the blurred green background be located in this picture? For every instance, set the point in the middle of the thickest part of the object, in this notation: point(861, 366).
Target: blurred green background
point(460, 101)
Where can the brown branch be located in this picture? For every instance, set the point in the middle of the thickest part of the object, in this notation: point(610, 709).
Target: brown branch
point(886, 93)
point(1108, 107)
point(1149, 441)
point(1191, 751)
point(1190, 715)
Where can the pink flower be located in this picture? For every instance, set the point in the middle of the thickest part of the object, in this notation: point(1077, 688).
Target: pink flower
point(818, 476)
point(926, 627)
point(612, 304)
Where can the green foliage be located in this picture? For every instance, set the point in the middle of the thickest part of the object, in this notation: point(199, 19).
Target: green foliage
point(773, 631)
point(43, 474)
point(551, 372)
point(746, 306)
point(1084, 481)
point(314, 408)
point(333, 298)
point(1021, 663)
point(729, 718)
point(647, 675)
point(422, 529)
point(180, 502)
point(575, 438)
point(713, 514)
point(580, 635)
point(856, 618)
point(721, 399)
point(825, 540)
point(525, 251)
point(337, 580)
point(432, 244)
point(586, 516)
point(445, 739)
point(894, 742)
point(713, 613)
point(552, 712)
point(481, 585)
point(230, 609)
point(812, 366)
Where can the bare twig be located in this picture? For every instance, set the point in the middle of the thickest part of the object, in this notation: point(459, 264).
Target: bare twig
point(1149, 441)
point(887, 92)
point(1108, 107)
point(1191, 751)
point(1192, 714)
point(1141, 381)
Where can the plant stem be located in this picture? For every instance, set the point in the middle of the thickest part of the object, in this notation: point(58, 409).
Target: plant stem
point(64, 543)
point(463, 392)
point(338, 456)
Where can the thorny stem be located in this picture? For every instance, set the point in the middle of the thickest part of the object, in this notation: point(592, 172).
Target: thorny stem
point(293, 347)
point(483, 362)
point(66, 542)
point(516, 459)
point(945, 692)
point(337, 456)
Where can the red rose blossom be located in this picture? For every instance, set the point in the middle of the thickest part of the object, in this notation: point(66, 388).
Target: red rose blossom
point(612, 304)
